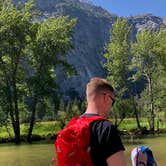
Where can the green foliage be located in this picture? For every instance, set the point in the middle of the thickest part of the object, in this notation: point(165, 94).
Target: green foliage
point(29, 53)
point(66, 112)
point(62, 115)
point(123, 107)
point(118, 62)
point(4, 119)
point(159, 75)
point(48, 49)
point(160, 91)
point(148, 55)
point(142, 50)
point(52, 127)
point(117, 55)
point(73, 108)
point(159, 48)
point(4, 112)
point(14, 33)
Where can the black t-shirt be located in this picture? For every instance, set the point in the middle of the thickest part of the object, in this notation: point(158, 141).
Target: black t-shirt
point(104, 141)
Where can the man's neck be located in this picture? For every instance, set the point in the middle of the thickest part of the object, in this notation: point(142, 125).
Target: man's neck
point(90, 114)
point(92, 109)
point(95, 112)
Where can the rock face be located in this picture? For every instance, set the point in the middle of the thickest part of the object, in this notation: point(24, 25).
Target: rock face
point(91, 33)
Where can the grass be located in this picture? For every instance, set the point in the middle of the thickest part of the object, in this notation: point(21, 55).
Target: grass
point(41, 154)
point(130, 123)
point(52, 127)
point(40, 128)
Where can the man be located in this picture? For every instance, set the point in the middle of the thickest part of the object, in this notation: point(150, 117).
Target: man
point(105, 144)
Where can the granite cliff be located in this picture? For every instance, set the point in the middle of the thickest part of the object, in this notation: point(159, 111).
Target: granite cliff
point(91, 33)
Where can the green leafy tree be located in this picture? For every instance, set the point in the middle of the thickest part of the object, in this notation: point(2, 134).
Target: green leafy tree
point(118, 61)
point(159, 75)
point(144, 61)
point(29, 53)
point(48, 48)
point(159, 47)
point(14, 34)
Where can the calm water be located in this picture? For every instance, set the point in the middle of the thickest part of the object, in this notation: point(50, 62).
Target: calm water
point(41, 154)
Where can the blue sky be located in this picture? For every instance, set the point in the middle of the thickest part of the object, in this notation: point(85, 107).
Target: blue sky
point(127, 8)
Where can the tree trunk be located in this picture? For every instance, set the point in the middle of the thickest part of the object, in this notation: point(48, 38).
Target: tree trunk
point(16, 111)
point(32, 120)
point(134, 104)
point(136, 113)
point(151, 105)
point(14, 118)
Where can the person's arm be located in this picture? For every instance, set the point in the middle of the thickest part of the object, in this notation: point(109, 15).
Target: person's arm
point(117, 159)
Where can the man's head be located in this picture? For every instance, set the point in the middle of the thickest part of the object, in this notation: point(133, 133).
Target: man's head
point(100, 91)
point(98, 86)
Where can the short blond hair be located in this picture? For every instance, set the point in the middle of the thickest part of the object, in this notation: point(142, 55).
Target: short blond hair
point(97, 85)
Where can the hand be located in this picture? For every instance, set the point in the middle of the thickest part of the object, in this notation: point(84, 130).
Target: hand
point(53, 162)
point(142, 158)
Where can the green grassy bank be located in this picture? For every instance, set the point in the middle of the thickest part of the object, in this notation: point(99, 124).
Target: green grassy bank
point(45, 129)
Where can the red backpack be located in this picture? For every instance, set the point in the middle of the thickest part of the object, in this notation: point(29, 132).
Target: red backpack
point(72, 143)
